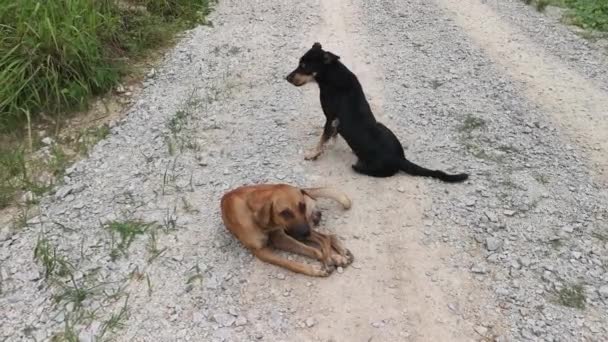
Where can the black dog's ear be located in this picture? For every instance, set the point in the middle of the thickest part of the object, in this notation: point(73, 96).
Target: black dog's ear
point(317, 45)
point(329, 57)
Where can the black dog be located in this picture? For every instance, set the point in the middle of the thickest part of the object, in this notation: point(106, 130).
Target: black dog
point(347, 112)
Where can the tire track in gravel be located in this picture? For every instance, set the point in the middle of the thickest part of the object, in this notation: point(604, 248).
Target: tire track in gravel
point(386, 295)
point(576, 103)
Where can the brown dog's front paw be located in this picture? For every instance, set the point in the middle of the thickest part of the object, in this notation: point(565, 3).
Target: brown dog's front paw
point(324, 270)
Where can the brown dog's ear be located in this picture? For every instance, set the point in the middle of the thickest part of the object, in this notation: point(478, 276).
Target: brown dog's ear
point(329, 57)
point(306, 193)
point(317, 45)
point(263, 216)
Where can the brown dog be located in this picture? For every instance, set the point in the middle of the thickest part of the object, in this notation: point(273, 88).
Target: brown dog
point(284, 215)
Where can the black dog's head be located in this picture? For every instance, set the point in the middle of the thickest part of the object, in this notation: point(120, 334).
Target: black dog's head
point(312, 64)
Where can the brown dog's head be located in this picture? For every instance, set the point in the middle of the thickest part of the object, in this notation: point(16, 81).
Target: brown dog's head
point(313, 63)
point(286, 207)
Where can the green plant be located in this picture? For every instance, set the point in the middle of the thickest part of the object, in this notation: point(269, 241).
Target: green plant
point(75, 294)
point(13, 173)
point(127, 232)
point(54, 264)
point(51, 56)
point(471, 123)
point(572, 296)
point(152, 247)
point(116, 321)
point(69, 333)
point(541, 5)
point(589, 14)
point(55, 54)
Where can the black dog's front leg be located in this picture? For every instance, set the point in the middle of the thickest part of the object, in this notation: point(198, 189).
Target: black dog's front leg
point(330, 130)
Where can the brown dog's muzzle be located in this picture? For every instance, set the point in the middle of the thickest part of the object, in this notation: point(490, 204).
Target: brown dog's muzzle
point(299, 231)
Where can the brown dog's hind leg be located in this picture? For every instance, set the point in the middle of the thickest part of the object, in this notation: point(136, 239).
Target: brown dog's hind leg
point(268, 255)
point(330, 193)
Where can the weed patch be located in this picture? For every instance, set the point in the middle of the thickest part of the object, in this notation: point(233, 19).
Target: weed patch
point(54, 264)
point(471, 123)
point(55, 54)
point(127, 231)
point(588, 14)
point(572, 296)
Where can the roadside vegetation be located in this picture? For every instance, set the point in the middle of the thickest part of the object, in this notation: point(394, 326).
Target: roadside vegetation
point(588, 14)
point(55, 57)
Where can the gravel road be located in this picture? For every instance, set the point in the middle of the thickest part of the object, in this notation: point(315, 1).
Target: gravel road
point(493, 88)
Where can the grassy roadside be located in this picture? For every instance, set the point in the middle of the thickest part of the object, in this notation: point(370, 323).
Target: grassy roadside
point(55, 56)
point(588, 14)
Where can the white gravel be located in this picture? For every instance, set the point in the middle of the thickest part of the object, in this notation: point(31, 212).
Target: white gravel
point(496, 257)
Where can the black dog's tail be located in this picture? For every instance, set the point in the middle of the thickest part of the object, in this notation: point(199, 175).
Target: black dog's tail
point(416, 170)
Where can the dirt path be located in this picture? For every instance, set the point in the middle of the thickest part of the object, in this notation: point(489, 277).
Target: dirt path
point(517, 253)
point(577, 104)
point(386, 295)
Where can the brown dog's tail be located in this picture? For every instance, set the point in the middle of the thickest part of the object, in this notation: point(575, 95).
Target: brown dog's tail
point(330, 193)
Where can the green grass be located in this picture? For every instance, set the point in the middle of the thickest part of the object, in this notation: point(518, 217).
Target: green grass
point(572, 296)
point(13, 174)
point(471, 123)
point(54, 264)
point(127, 232)
point(55, 54)
point(588, 14)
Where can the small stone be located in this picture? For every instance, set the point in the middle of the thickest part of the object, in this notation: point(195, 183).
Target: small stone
point(481, 330)
point(377, 324)
point(310, 322)
point(577, 255)
point(491, 216)
point(48, 141)
point(240, 321)
point(603, 291)
point(223, 319)
point(493, 244)
point(469, 202)
point(525, 261)
point(62, 192)
point(509, 212)
point(28, 197)
point(479, 269)
point(501, 291)
point(568, 229)
point(401, 189)
point(340, 270)
point(120, 89)
point(151, 73)
point(281, 276)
